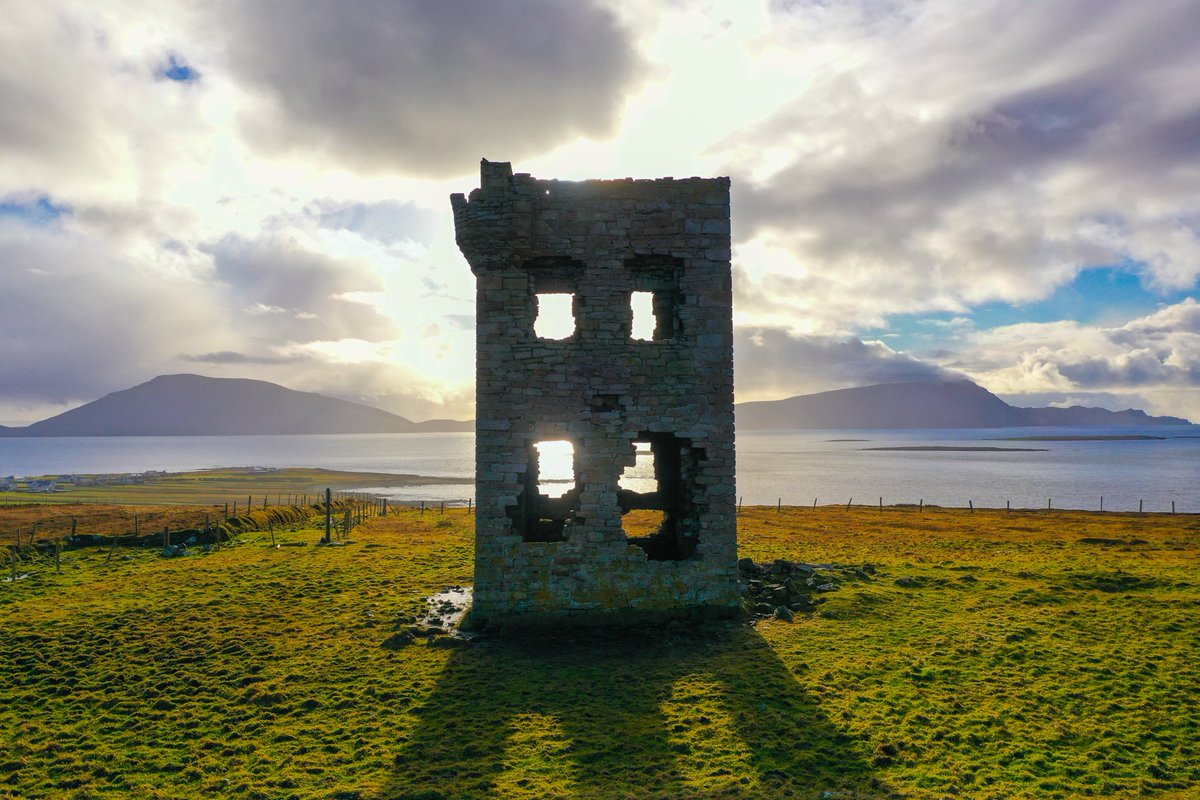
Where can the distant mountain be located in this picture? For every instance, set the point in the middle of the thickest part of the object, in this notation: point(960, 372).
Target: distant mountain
point(193, 405)
point(956, 404)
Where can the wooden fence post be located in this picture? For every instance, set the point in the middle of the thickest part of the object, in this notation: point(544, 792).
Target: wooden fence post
point(328, 517)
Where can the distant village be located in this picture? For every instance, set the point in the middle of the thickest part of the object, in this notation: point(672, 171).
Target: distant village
point(58, 483)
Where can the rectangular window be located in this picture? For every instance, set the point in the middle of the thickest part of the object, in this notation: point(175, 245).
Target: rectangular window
point(549, 497)
point(656, 496)
point(555, 467)
point(555, 315)
point(644, 321)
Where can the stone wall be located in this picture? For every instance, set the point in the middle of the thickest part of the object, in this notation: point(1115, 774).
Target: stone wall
point(545, 559)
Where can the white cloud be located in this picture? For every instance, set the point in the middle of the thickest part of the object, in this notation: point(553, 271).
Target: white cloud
point(274, 215)
point(939, 156)
point(1155, 358)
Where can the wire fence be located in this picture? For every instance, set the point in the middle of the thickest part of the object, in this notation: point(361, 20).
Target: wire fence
point(1161, 507)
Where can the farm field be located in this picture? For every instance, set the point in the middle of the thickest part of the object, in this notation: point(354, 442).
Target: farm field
point(218, 486)
point(991, 655)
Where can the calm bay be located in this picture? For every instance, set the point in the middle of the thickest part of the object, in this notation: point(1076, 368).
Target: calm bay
point(827, 466)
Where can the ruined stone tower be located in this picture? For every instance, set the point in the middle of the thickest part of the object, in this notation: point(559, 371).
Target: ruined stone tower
point(598, 247)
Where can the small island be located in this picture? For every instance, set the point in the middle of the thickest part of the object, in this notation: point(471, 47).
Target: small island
point(955, 449)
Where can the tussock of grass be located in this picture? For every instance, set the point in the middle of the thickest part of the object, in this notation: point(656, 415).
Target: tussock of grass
point(1009, 667)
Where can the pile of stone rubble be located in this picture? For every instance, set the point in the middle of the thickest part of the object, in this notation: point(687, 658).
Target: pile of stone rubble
point(782, 588)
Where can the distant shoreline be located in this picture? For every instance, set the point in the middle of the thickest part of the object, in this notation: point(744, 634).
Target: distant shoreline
point(950, 449)
point(284, 485)
point(1091, 438)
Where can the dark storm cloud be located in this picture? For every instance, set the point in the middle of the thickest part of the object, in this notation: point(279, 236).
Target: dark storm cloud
point(427, 87)
point(772, 363)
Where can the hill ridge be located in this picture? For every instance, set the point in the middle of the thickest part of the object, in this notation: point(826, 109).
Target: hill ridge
point(195, 405)
point(185, 404)
point(943, 404)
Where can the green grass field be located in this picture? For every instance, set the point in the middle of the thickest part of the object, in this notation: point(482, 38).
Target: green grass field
point(1012, 659)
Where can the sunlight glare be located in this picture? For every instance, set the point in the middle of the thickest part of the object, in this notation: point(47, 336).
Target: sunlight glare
point(556, 467)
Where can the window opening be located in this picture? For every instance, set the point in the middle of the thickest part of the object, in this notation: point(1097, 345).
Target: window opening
point(555, 315)
point(556, 467)
point(656, 497)
point(644, 320)
point(643, 522)
point(549, 496)
point(640, 477)
point(658, 277)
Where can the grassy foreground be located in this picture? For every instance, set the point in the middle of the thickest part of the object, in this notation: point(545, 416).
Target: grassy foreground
point(994, 656)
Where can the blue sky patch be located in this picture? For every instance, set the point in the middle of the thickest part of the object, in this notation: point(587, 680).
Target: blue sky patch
point(41, 211)
point(1105, 296)
point(389, 221)
point(177, 70)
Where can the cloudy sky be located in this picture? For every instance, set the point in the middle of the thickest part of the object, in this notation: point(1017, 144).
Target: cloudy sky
point(1005, 191)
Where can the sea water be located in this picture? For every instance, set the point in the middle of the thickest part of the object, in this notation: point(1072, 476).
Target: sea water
point(795, 467)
